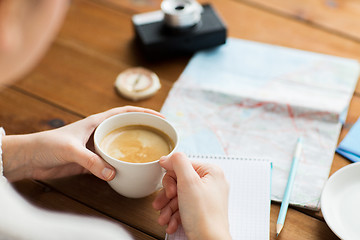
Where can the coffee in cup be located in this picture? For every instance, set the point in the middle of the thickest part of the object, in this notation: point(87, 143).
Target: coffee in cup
point(137, 144)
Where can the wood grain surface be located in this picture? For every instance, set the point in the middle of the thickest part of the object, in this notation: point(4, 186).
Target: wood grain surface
point(96, 42)
point(338, 17)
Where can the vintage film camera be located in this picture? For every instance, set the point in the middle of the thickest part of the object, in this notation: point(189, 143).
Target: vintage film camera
point(180, 27)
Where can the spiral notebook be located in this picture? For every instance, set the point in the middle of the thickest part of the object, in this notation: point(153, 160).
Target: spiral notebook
point(249, 197)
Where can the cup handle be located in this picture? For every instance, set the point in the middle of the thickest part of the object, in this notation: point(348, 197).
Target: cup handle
point(160, 185)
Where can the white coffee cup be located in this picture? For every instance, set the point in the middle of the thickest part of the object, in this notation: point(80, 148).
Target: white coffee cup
point(134, 180)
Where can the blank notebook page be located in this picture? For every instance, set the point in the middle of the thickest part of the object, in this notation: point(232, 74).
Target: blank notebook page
point(249, 198)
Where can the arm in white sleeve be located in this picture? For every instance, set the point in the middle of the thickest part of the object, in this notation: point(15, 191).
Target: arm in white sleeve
point(2, 133)
point(21, 220)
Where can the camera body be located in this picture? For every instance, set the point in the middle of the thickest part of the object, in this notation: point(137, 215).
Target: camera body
point(163, 34)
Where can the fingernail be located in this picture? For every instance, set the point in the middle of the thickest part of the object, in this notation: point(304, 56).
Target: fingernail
point(107, 173)
point(163, 158)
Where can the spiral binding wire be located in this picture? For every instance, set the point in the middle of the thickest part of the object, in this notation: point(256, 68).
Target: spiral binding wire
point(221, 157)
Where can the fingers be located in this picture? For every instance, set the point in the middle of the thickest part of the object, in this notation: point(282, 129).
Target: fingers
point(114, 111)
point(174, 222)
point(169, 214)
point(168, 211)
point(168, 192)
point(169, 184)
point(94, 120)
point(199, 187)
point(206, 169)
point(145, 110)
point(161, 200)
point(182, 167)
point(95, 164)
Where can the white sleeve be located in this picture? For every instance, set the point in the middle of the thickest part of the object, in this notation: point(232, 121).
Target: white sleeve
point(2, 133)
point(21, 220)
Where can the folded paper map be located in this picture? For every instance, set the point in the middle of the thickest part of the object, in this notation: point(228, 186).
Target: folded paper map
point(248, 98)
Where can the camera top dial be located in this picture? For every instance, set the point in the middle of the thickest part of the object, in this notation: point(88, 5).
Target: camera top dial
point(181, 13)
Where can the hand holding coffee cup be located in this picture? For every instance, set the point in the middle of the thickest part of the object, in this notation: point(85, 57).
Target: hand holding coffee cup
point(133, 144)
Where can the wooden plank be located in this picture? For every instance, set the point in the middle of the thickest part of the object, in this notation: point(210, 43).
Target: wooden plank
point(339, 17)
point(100, 196)
point(82, 84)
point(45, 197)
point(131, 6)
point(108, 34)
point(299, 226)
point(24, 114)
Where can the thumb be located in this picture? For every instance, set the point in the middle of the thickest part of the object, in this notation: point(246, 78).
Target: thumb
point(95, 164)
point(181, 165)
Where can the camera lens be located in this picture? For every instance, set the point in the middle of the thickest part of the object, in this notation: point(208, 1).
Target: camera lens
point(180, 7)
point(181, 13)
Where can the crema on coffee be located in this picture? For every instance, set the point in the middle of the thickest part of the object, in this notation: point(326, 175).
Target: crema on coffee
point(137, 144)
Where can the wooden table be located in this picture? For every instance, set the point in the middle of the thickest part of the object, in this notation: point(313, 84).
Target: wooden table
point(75, 79)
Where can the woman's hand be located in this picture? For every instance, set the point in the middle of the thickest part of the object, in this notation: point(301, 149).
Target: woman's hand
point(60, 152)
point(195, 195)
